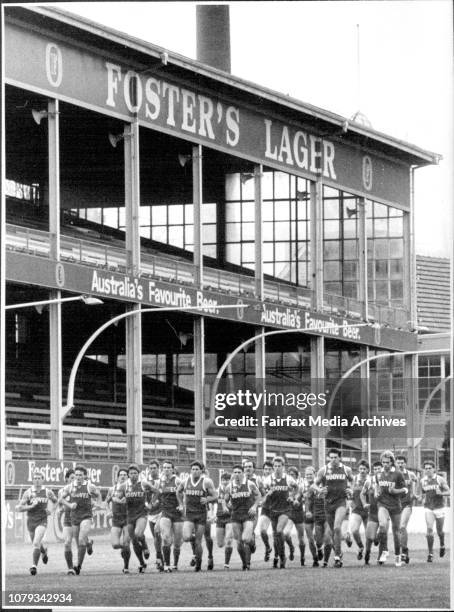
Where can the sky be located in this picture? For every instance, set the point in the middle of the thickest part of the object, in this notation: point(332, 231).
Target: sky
point(401, 79)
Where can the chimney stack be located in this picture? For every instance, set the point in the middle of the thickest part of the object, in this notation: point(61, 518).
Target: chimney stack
point(213, 35)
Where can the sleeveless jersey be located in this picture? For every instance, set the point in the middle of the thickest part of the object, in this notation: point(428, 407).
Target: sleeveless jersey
point(393, 479)
point(81, 496)
point(156, 510)
point(279, 497)
point(167, 495)
point(358, 484)
point(136, 497)
point(193, 493)
point(119, 511)
point(409, 479)
point(221, 509)
point(315, 504)
point(429, 487)
point(241, 498)
point(336, 480)
point(37, 515)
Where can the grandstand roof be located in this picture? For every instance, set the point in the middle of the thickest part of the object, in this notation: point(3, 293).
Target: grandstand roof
point(433, 293)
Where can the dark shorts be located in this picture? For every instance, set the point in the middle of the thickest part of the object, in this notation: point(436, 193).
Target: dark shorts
point(361, 512)
point(373, 517)
point(197, 519)
point(319, 522)
point(119, 522)
point(132, 520)
point(76, 520)
point(297, 516)
point(309, 521)
point(32, 524)
point(67, 520)
point(222, 520)
point(392, 511)
point(175, 517)
point(330, 510)
point(407, 504)
point(241, 518)
point(265, 512)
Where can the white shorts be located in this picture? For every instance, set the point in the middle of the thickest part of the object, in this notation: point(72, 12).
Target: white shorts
point(438, 512)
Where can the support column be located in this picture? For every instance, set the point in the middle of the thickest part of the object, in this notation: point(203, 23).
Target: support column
point(317, 343)
point(363, 296)
point(260, 360)
point(199, 322)
point(55, 345)
point(411, 409)
point(133, 324)
point(366, 442)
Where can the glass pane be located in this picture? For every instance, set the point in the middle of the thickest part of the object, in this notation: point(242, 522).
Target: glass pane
point(397, 290)
point(159, 233)
point(329, 192)
point(281, 210)
point(268, 228)
point(395, 212)
point(331, 209)
point(381, 291)
point(303, 211)
point(380, 210)
point(189, 213)
point(396, 268)
point(94, 214)
point(303, 229)
point(175, 213)
point(331, 229)
point(176, 235)
point(247, 186)
point(144, 215)
point(209, 213)
point(302, 253)
point(209, 250)
point(268, 268)
point(248, 252)
point(248, 211)
point(121, 217)
point(281, 185)
point(302, 275)
point(350, 249)
point(268, 251)
point(189, 234)
point(350, 270)
point(282, 230)
point(331, 287)
point(233, 232)
point(110, 217)
point(331, 270)
point(282, 251)
point(381, 249)
point(145, 231)
point(209, 233)
point(331, 249)
point(159, 215)
point(267, 184)
point(233, 211)
point(381, 268)
point(369, 228)
point(350, 228)
point(268, 211)
point(396, 247)
point(232, 186)
point(248, 231)
point(233, 253)
point(380, 227)
point(350, 290)
point(396, 226)
point(283, 271)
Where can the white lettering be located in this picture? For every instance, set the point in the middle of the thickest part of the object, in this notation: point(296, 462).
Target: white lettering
point(113, 78)
point(205, 114)
point(232, 118)
point(153, 98)
point(188, 99)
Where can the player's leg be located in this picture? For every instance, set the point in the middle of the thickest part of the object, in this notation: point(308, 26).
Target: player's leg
point(247, 537)
point(288, 538)
point(371, 534)
point(355, 526)
point(67, 548)
point(84, 531)
point(220, 535)
point(403, 533)
point(317, 530)
point(209, 545)
point(439, 523)
point(328, 542)
point(264, 524)
point(177, 540)
point(281, 523)
point(166, 538)
point(115, 537)
point(156, 542)
point(199, 531)
point(395, 527)
point(339, 516)
point(125, 548)
point(430, 521)
point(228, 544)
point(36, 552)
point(236, 536)
point(135, 530)
point(383, 526)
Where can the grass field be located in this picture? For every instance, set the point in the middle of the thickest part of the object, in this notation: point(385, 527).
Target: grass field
point(101, 583)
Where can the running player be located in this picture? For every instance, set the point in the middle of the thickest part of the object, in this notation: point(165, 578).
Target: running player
point(35, 502)
point(249, 472)
point(207, 533)
point(407, 504)
point(369, 502)
point(281, 492)
point(434, 489)
point(296, 518)
point(152, 475)
point(119, 536)
point(78, 497)
point(334, 479)
point(242, 495)
point(224, 534)
point(171, 521)
point(265, 519)
point(194, 495)
point(66, 522)
point(358, 514)
point(389, 486)
point(308, 519)
point(135, 492)
point(315, 524)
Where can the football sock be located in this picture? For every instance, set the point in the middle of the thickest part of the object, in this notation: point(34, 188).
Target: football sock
point(228, 554)
point(69, 558)
point(36, 555)
point(81, 549)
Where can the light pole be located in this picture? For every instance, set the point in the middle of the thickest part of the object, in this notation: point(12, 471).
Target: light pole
point(261, 443)
point(198, 410)
point(87, 299)
point(368, 360)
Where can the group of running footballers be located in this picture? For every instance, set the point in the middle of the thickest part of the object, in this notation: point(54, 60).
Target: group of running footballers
point(318, 505)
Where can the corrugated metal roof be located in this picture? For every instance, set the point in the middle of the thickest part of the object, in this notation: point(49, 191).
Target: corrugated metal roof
point(356, 132)
point(433, 290)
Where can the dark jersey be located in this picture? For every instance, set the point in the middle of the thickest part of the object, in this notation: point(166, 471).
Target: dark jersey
point(119, 511)
point(279, 498)
point(409, 479)
point(241, 499)
point(358, 483)
point(430, 488)
point(156, 501)
point(315, 504)
point(335, 478)
point(81, 495)
point(221, 509)
point(193, 493)
point(371, 498)
point(387, 481)
point(168, 496)
point(37, 513)
point(136, 497)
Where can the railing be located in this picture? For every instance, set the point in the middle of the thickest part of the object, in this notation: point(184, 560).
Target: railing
point(174, 269)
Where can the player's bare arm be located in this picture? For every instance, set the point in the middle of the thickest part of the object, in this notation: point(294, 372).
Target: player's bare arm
point(212, 495)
